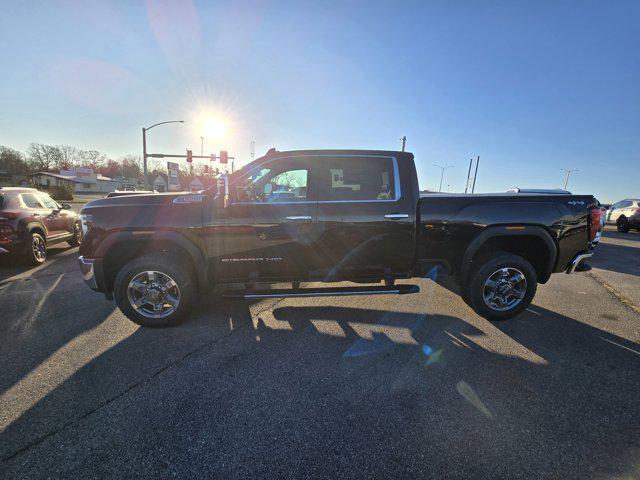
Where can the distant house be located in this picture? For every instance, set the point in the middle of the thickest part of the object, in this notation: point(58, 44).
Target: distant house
point(82, 180)
point(197, 184)
point(160, 183)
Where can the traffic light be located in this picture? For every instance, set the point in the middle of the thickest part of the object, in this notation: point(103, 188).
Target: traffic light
point(224, 155)
point(213, 157)
point(189, 156)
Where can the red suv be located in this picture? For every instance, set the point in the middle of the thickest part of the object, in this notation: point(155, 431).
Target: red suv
point(30, 221)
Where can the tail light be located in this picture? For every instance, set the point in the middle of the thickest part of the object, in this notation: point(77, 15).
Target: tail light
point(596, 219)
point(5, 216)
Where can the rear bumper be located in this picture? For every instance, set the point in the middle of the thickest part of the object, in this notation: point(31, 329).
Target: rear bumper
point(576, 261)
point(11, 245)
point(13, 248)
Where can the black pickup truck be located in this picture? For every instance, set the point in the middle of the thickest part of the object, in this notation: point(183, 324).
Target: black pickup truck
point(329, 216)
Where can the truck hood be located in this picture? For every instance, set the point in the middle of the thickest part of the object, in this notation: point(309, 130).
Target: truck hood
point(151, 199)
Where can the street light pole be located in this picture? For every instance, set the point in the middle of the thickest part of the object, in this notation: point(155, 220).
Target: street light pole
point(144, 158)
point(442, 174)
point(144, 148)
point(201, 146)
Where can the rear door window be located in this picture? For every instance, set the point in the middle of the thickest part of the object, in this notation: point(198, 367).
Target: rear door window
point(357, 179)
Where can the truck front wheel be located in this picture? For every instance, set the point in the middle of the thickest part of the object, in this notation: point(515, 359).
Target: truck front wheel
point(156, 290)
point(501, 286)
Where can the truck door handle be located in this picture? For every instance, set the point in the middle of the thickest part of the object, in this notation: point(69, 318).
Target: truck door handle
point(396, 216)
point(299, 217)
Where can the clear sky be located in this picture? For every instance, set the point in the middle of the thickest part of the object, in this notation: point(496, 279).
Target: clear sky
point(531, 87)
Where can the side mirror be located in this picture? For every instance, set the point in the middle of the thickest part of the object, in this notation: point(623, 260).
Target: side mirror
point(65, 206)
point(268, 189)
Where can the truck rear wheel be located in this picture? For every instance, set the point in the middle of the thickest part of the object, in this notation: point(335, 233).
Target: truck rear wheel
point(501, 286)
point(156, 290)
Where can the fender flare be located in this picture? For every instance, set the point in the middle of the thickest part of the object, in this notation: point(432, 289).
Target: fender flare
point(502, 231)
point(35, 225)
point(130, 236)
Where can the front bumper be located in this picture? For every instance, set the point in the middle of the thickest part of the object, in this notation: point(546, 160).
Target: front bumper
point(573, 264)
point(88, 270)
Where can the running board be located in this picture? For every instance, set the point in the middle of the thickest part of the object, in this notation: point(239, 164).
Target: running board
point(323, 292)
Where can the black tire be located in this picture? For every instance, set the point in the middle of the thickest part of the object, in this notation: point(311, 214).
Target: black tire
point(77, 235)
point(488, 267)
point(623, 225)
point(165, 264)
point(36, 251)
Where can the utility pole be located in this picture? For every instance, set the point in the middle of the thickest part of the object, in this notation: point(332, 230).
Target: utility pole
point(442, 174)
point(568, 172)
point(253, 149)
point(466, 185)
point(201, 146)
point(404, 142)
point(475, 175)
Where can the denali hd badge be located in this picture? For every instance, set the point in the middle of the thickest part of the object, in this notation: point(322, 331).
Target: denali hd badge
point(188, 199)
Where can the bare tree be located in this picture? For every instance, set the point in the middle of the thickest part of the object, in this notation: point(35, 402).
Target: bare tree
point(42, 157)
point(68, 156)
point(92, 159)
point(12, 161)
point(131, 166)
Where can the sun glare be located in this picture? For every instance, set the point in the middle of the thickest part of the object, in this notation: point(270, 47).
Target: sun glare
point(212, 128)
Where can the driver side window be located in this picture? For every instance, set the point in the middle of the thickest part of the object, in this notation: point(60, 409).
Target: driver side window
point(48, 201)
point(287, 186)
point(273, 186)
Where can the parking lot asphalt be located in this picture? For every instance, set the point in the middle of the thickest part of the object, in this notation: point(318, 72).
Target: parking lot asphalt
point(414, 386)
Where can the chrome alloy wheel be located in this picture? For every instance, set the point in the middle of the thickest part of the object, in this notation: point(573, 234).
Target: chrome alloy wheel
point(39, 248)
point(153, 294)
point(504, 289)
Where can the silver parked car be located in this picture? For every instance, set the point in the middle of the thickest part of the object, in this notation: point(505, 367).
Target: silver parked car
point(624, 214)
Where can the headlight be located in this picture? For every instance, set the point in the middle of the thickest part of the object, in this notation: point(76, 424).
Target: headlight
point(86, 219)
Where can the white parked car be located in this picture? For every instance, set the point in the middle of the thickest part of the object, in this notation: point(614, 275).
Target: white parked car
point(624, 214)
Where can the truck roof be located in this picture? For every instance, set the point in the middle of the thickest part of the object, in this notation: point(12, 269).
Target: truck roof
point(273, 153)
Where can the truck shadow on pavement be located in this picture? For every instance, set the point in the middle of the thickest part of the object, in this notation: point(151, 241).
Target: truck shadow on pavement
point(260, 390)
